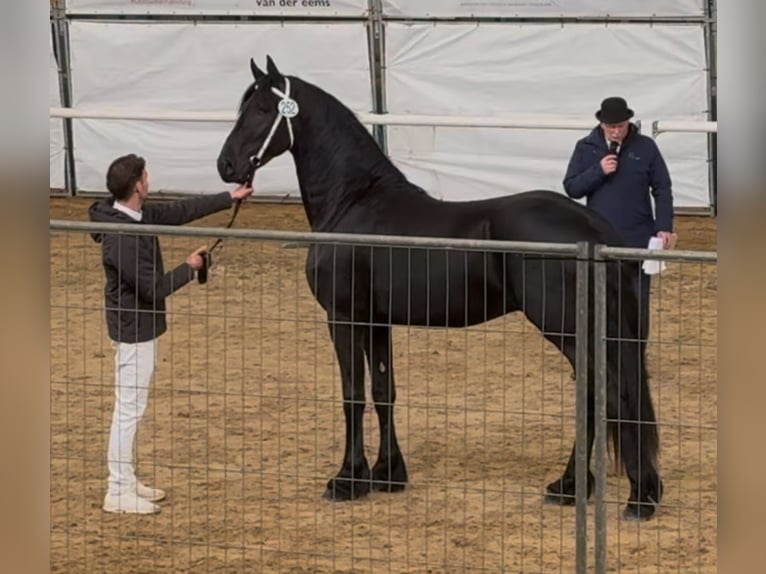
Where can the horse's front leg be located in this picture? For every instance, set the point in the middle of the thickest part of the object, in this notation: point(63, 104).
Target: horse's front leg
point(353, 479)
point(389, 473)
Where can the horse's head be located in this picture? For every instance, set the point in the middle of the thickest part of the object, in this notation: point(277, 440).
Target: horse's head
point(264, 126)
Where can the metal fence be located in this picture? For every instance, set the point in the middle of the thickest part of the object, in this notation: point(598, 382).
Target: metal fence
point(245, 426)
point(681, 351)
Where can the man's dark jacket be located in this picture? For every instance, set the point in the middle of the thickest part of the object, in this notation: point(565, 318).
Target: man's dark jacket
point(136, 282)
point(623, 196)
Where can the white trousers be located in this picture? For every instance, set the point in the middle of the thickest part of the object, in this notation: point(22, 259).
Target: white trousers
point(135, 364)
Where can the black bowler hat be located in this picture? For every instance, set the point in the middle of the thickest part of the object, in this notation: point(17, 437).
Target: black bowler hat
point(613, 111)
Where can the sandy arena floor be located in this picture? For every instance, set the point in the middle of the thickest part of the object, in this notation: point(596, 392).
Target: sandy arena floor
point(244, 427)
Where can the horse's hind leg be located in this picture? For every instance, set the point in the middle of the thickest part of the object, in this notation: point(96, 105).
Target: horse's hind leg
point(636, 430)
point(389, 473)
point(562, 491)
point(353, 479)
point(548, 299)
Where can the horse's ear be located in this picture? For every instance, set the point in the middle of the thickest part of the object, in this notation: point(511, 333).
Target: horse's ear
point(257, 73)
point(271, 68)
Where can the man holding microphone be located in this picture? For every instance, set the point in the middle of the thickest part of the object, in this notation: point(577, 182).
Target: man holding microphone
point(618, 171)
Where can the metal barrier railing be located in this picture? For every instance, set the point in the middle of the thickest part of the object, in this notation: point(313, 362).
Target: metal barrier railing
point(589, 270)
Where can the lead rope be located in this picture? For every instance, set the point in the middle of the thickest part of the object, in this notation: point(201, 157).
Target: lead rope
point(287, 108)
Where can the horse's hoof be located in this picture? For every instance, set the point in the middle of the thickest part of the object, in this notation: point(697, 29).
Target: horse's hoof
point(343, 489)
point(635, 512)
point(559, 499)
point(390, 476)
point(555, 493)
point(562, 491)
point(388, 486)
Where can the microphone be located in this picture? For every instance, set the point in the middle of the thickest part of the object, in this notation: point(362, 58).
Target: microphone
point(613, 145)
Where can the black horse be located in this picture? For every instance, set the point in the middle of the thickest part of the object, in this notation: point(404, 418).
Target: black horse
point(348, 185)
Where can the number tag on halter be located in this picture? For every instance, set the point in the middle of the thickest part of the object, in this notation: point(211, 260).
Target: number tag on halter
point(288, 107)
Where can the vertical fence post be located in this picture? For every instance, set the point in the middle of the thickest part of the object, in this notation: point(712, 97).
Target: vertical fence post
point(599, 407)
point(61, 46)
point(581, 409)
point(377, 57)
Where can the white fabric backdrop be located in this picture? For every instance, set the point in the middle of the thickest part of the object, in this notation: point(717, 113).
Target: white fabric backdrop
point(313, 8)
point(538, 70)
point(197, 67)
point(57, 155)
point(541, 8)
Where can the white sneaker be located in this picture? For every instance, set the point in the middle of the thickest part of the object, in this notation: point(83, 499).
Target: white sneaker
point(129, 503)
point(151, 494)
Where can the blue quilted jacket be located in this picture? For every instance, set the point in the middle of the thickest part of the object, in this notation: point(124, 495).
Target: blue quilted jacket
point(623, 197)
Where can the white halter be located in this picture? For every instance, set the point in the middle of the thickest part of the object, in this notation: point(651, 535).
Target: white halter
point(287, 108)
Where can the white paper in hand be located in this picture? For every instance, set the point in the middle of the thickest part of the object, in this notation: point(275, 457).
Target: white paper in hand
point(654, 266)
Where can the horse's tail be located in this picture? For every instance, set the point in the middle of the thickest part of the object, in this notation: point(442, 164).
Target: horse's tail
point(629, 400)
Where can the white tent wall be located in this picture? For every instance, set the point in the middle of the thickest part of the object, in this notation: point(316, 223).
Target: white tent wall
point(197, 67)
point(56, 125)
point(543, 8)
point(546, 68)
point(538, 70)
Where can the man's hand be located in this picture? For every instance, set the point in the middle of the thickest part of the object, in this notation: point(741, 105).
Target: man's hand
point(668, 239)
point(609, 163)
point(195, 259)
point(241, 193)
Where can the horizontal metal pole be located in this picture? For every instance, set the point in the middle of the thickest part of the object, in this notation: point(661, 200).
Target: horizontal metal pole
point(161, 195)
point(153, 115)
point(475, 121)
point(252, 14)
point(569, 249)
point(663, 126)
point(519, 122)
point(656, 254)
point(364, 117)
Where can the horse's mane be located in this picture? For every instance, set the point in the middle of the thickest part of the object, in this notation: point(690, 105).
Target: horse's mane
point(338, 126)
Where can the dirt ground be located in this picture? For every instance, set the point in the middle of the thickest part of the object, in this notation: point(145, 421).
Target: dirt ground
point(244, 427)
